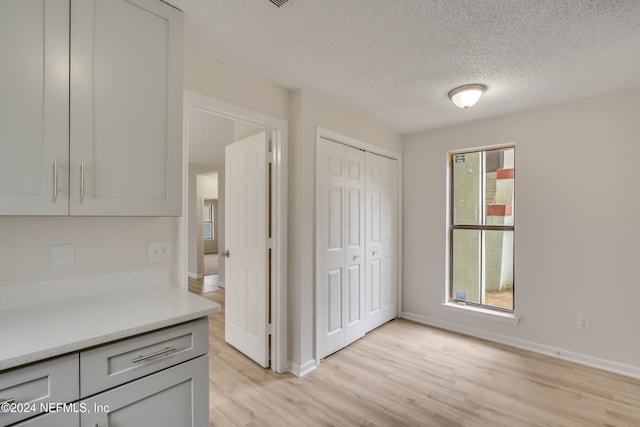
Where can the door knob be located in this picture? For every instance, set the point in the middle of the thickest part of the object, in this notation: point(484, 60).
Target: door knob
point(374, 253)
point(226, 253)
point(355, 257)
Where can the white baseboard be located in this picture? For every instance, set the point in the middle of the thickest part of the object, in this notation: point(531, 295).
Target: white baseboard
point(582, 359)
point(195, 276)
point(304, 369)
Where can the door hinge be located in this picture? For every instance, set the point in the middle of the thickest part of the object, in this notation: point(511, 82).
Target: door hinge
point(270, 329)
point(270, 157)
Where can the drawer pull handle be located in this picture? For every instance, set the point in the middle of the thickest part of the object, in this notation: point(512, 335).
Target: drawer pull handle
point(157, 353)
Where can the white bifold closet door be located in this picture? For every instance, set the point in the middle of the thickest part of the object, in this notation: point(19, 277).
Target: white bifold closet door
point(356, 244)
point(341, 245)
point(381, 213)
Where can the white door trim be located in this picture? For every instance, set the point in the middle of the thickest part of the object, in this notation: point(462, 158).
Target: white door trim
point(279, 132)
point(325, 133)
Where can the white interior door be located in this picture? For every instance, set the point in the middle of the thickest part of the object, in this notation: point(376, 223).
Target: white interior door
point(246, 262)
point(381, 240)
point(340, 244)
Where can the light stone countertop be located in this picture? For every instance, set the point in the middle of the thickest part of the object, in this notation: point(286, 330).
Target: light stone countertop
point(30, 333)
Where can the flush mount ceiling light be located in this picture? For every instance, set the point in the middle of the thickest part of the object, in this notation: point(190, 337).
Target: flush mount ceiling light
point(466, 96)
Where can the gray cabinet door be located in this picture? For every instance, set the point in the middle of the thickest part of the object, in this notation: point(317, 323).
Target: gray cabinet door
point(34, 112)
point(126, 108)
point(177, 396)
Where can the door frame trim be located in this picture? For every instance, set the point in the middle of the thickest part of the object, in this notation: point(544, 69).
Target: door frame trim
point(279, 134)
point(324, 133)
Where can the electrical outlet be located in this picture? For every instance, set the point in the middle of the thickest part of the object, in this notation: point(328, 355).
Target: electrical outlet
point(584, 322)
point(159, 251)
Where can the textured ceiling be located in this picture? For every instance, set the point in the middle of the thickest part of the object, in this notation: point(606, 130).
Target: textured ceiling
point(395, 61)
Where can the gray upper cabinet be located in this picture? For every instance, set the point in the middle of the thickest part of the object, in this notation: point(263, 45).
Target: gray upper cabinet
point(126, 108)
point(92, 124)
point(34, 106)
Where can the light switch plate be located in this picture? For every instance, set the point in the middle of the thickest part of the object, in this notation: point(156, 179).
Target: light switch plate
point(62, 257)
point(159, 251)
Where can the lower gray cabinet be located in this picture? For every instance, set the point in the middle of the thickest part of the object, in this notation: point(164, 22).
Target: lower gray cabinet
point(31, 389)
point(176, 396)
point(160, 378)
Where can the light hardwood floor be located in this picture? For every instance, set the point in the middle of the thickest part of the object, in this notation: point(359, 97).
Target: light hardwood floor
point(407, 374)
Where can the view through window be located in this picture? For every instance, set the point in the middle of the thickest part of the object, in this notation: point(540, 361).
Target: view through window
point(207, 219)
point(481, 233)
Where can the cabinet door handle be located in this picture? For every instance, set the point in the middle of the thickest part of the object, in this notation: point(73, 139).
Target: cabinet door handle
point(81, 181)
point(157, 353)
point(55, 178)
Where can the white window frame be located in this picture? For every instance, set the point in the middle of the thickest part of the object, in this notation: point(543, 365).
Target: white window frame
point(474, 310)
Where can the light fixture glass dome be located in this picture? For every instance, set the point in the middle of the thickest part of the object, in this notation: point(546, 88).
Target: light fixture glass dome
point(466, 96)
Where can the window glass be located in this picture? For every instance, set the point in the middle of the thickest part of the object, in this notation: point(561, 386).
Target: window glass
point(207, 221)
point(482, 228)
point(498, 269)
point(467, 188)
point(466, 265)
point(208, 230)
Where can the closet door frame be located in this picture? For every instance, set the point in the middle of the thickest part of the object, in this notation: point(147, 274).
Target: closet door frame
point(324, 133)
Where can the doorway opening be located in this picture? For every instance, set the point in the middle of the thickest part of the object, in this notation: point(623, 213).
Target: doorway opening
point(205, 121)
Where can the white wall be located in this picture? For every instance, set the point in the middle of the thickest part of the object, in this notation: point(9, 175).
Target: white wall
point(310, 110)
point(244, 130)
point(102, 246)
point(214, 79)
point(208, 186)
point(576, 238)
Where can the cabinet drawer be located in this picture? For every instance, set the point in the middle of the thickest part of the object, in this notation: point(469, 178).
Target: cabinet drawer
point(53, 419)
point(120, 362)
point(33, 386)
point(177, 397)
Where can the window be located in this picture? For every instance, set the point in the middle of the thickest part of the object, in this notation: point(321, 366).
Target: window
point(481, 232)
point(207, 219)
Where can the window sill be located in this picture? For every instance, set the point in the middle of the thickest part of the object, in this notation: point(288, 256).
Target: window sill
point(483, 313)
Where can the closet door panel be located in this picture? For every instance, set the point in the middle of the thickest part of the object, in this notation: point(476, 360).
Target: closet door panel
point(340, 246)
point(381, 240)
point(330, 242)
